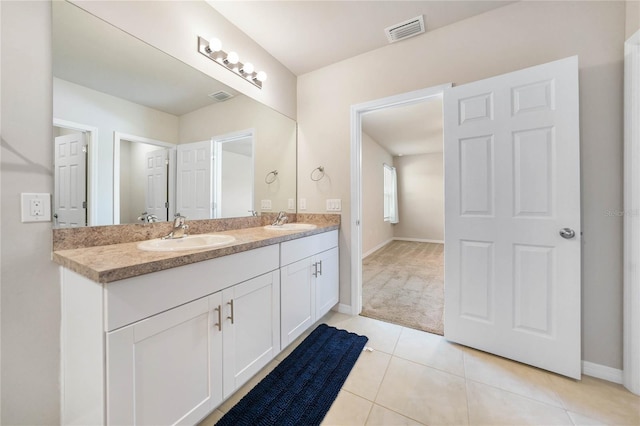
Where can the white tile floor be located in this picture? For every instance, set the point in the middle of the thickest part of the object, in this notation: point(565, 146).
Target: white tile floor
point(416, 378)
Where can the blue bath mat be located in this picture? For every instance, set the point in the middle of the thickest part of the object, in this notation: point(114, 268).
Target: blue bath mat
point(301, 389)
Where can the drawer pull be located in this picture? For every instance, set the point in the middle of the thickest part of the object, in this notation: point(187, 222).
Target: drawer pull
point(230, 317)
point(320, 267)
point(315, 269)
point(219, 323)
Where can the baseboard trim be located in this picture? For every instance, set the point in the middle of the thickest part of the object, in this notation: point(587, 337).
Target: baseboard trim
point(343, 308)
point(419, 240)
point(602, 372)
point(376, 248)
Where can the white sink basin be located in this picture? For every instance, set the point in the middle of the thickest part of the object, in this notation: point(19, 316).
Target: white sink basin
point(291, 227)
point(191, 242)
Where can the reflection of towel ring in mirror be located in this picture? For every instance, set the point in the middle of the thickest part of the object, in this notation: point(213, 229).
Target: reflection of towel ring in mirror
point(319, 175)
point(268, 179)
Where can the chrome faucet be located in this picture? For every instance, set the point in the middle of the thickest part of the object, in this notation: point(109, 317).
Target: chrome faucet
point(148, 218)
point(179, 228)
point(281, 219)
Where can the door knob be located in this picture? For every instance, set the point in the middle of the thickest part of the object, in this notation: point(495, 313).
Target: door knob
point(567, 233)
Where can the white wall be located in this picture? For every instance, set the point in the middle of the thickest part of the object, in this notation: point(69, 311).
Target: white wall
point(174, 26)
point(30, 288)
point(375, 231)
point(506, 39)
point(110, 114)
point(274, 142)
point(632, 24)
point(420, 197)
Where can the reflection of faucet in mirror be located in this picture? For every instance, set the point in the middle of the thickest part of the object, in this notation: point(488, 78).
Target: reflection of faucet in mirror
point(147, 218)
point(281, 219)
point(179, 228)
point(254, 213)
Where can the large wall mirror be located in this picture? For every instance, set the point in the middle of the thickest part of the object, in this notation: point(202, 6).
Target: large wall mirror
point(140, 136)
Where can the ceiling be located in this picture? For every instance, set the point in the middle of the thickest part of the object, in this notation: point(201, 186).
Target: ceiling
point(308, 35)
point(407, 129)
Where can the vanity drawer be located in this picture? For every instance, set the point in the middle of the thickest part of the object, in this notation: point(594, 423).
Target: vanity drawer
point(295, 250)
point(133, 299)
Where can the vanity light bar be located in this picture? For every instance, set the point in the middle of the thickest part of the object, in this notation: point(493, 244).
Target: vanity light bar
point(212, 49)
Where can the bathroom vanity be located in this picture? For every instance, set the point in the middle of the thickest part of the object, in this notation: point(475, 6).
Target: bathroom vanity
point(168, 346)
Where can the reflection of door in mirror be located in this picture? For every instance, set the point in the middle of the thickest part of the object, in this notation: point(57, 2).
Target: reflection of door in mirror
point(194, 198)
point(143, 174)
point(70, 177)
point(234, 165)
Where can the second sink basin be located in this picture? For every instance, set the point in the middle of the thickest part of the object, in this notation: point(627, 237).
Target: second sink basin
point(291, 227)
point(191, 242)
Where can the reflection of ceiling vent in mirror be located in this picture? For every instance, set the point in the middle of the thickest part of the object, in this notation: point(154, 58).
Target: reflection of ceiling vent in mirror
point(406, 29)
point(221, 96)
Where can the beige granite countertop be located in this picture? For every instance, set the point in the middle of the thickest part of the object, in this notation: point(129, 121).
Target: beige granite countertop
point(108, 263)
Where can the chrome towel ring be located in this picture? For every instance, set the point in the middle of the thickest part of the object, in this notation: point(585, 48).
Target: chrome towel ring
point(317, 176)
point(271, 177)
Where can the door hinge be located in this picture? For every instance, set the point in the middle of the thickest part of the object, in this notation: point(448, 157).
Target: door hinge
point(85, 149)
point(166, 205)
point(357, 223)
point(84, 204)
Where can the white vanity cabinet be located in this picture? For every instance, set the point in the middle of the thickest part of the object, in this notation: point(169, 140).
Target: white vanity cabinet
point(309, 282)
point(177, 366)
point(169, 346)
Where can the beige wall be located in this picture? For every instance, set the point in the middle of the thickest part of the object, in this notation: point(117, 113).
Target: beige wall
point(632, 24)
point(274, 144)
point(375, 231)
point(173, 26)
point(30, 296)
point(420, 197)
point(30, 289)
point(516, 36)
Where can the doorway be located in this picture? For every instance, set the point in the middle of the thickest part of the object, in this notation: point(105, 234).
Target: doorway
point(403, 215)
point(358, 112)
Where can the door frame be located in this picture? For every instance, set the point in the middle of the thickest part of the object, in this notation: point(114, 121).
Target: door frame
point(631, 216)
point(92, 164)
point(357, 111)
point(117, 139)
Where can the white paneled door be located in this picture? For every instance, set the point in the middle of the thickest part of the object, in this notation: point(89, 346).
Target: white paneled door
point(512, 208)
point(70, 176)
point(157, 188)
point(194, 198)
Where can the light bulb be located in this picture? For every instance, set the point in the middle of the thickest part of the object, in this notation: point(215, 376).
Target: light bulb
point(215, 45)
point(233, 58)
point(262, 76)
point(248, 68)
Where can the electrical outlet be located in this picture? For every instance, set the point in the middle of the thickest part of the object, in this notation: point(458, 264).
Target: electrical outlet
point(35, 207)
point(334, 205)
point(303, 203)
point(291, 205)
point(265, 204)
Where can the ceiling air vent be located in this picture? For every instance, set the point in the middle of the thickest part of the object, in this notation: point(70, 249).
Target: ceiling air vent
point(406, 29)
point(221, 96)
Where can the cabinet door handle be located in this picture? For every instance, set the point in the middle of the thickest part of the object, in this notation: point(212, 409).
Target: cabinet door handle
point(320, 267)
point(315, 269)
point(219, 323)
point(230, 317)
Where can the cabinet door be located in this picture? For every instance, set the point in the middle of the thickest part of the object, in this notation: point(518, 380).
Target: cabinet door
point(162, 370)
point(327, 281)
point(297, 300)
point(251, 328)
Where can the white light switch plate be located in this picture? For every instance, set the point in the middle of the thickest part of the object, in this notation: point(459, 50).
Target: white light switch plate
point(291, 205)
point(265, 204)
point(334, 205)
point(36, 207)
point(302, 203)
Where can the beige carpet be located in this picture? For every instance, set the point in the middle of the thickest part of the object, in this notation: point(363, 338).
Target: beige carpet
point(403, 283)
